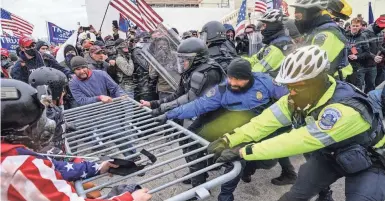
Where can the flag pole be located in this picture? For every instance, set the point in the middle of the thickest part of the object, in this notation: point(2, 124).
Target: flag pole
point(104, 15)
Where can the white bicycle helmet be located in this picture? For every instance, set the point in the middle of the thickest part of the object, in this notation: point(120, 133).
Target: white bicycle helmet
point(303, 64)
point(274, 15)
point(321, 4)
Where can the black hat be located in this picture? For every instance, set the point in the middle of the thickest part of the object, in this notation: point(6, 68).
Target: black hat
point(240, 69)
point(40, 44)
point(78, 61)
point(69, 48)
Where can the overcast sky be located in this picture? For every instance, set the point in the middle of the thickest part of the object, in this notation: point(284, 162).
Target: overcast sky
point(64, 13)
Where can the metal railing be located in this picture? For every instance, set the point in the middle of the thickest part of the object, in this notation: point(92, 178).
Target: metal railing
point(119, 129)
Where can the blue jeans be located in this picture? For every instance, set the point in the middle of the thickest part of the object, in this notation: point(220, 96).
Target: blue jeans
point(366, 77)
point(228, 188)
point(319, 172)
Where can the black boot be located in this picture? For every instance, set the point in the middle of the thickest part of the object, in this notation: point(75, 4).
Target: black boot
point(325, 195)
point(246, 178)
point(286, 178)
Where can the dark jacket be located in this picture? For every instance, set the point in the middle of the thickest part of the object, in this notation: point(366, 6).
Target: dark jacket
point(360, 43)
point(22, 72)
point(375, 43)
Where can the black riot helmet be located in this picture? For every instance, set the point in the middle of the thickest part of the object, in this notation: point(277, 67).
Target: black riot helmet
point(213, 31)
point(54, 79)
point(23, 116)
point(20, 105)
point(191, 53)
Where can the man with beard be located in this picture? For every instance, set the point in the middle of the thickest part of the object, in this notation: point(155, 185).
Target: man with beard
point(27, 175)
point(332, 120)
point(125, 68)
point(91, 86)
point(244, 95)
point(162, 52)
point(31, 59)
point(220, 49)
point(278, 44)
point(320, 30)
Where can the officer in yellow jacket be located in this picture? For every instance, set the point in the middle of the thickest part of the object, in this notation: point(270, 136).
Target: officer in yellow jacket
point(322, 31)
point(331, 119)
point(277, 44)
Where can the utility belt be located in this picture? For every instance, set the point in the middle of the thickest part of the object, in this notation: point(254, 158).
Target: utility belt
point(356, 158)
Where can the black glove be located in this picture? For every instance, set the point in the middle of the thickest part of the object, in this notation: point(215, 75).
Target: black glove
point(229, 155)
point(161, 119)
point(156, 112)
point(217, 147)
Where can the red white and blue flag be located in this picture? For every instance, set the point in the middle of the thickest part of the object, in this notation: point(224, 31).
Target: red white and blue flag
point(14, 23)
point(139, 12)
point(260, 6)
point(241, 21)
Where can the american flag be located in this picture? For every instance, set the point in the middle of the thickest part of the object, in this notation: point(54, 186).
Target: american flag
point(241, 21)
point(260, 6)
point(139, 12)
point(14, 23)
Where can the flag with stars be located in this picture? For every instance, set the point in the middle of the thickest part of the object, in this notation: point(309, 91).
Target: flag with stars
point(241, 21)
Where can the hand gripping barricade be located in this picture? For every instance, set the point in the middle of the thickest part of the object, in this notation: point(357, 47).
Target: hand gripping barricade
point(121, 127)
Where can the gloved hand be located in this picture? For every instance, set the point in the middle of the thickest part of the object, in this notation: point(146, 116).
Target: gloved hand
point(229, 155)
point(161, 119)
point(217, 147)
point(156, 112)
point(71, 127)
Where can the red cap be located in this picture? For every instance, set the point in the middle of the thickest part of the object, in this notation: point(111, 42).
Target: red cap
point(4, 52)
point(26, 41)
point(381, 22)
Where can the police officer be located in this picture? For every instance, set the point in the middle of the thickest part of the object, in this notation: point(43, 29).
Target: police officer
point(330, 118)
point(57, 82)
point(278, 44)
point(243, 96)
point(220, 49)
point(198, 74)
point(322, 31)
point(25, 129)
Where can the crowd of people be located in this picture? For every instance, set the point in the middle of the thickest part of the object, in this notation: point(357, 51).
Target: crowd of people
point(310, 85)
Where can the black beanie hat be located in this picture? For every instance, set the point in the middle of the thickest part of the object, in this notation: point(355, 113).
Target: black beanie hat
point(78, 61)
point(40, 44)
point(240, 69)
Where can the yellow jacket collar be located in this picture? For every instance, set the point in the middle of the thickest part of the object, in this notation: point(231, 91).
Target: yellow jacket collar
point(327, 95)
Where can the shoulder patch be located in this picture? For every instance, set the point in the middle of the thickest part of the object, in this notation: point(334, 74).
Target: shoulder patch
point(210, 93)
point(319, 39)
point(329, 118)
point(259, 95)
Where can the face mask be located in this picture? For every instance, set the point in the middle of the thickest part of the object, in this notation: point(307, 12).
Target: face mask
point(31, 52)
point(48, 52)
point(69, 57)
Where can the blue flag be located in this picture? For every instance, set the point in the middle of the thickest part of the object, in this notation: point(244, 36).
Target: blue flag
point(57, 35)
point(371, 17)
point(10, 43)
point(125, 24)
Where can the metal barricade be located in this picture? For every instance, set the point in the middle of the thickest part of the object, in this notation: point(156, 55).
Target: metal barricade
point(119, 129)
